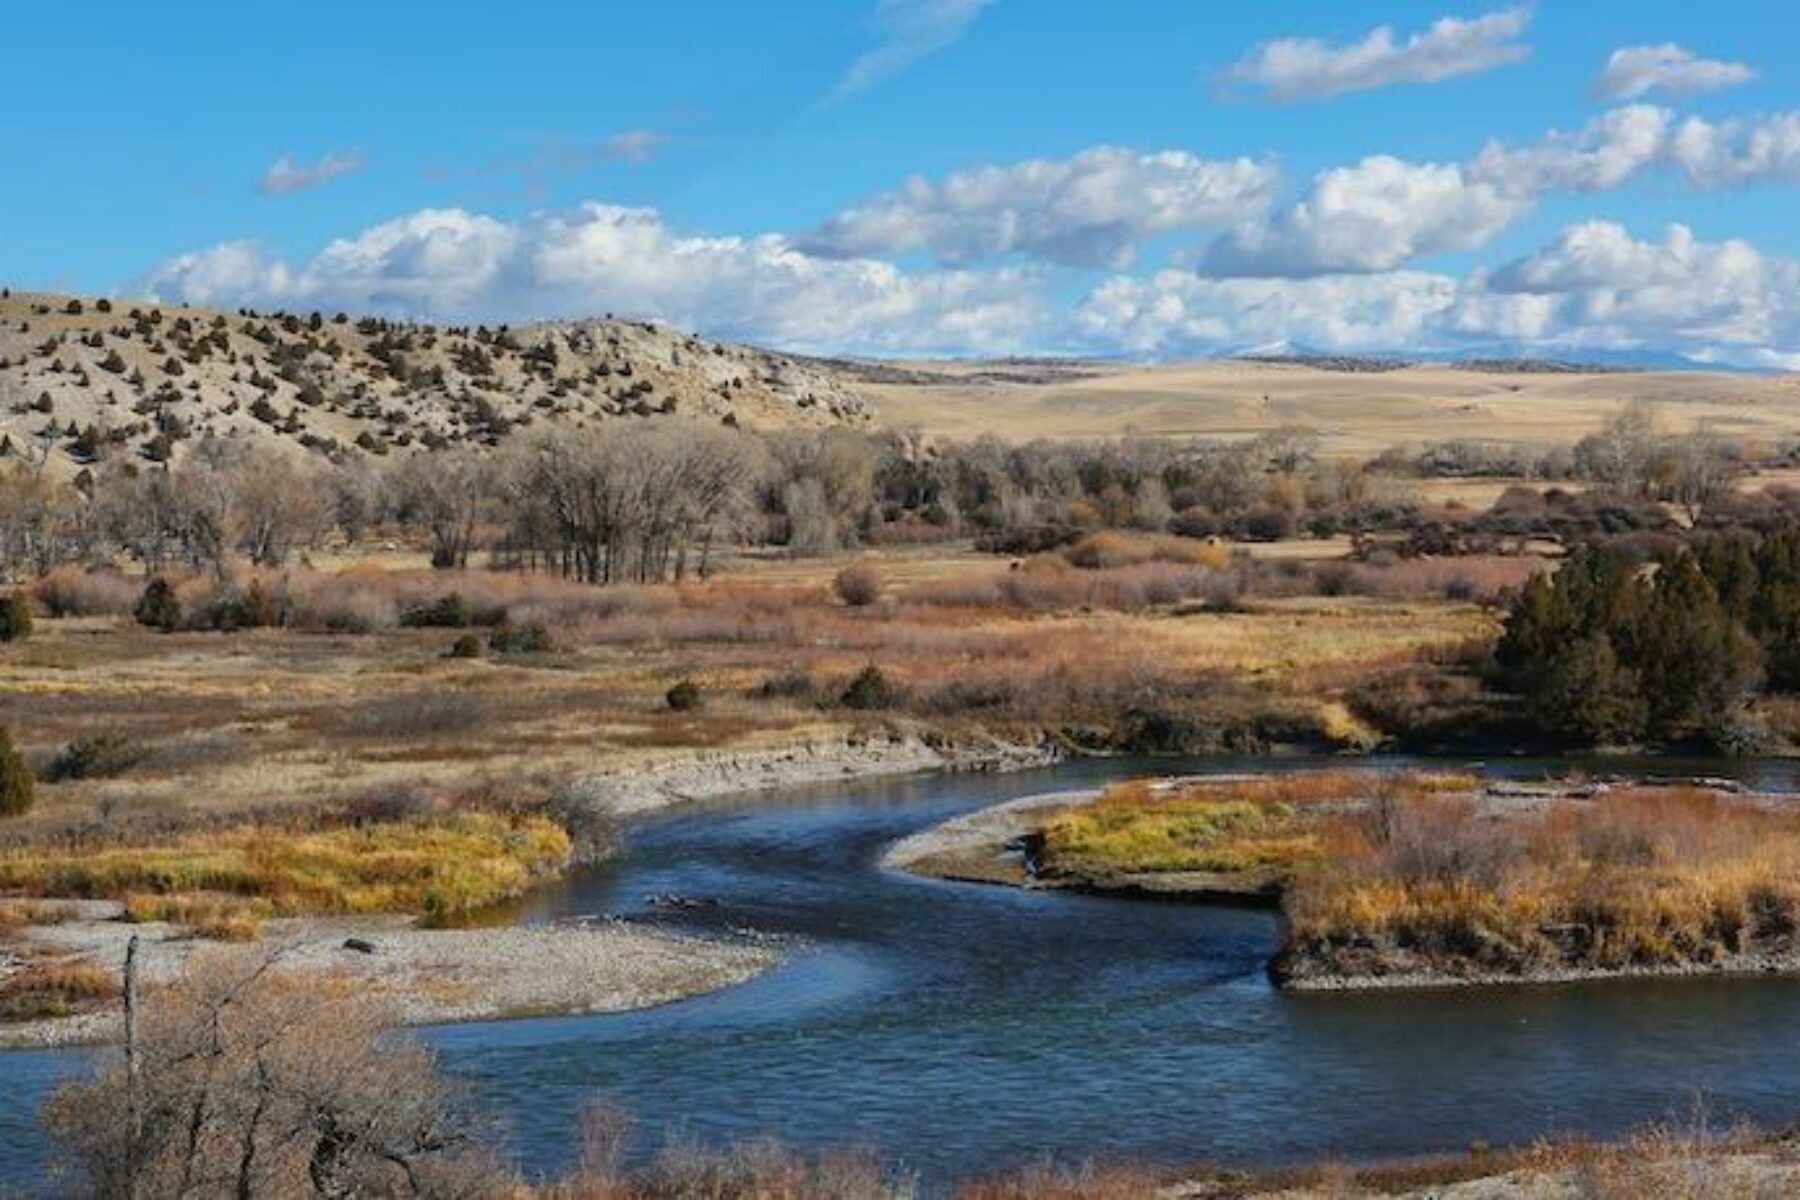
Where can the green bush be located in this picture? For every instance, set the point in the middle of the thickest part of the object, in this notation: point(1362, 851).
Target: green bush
point(99, 757)
point(449, 611)
point(254, 607)
point(684, 696)
point(870, 689)
point(529, 638)
point(158, 607)
point(17, 791)
point(15, 617)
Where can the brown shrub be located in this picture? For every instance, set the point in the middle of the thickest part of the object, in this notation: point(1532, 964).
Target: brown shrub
point(1112, 548)
point(70, 591)
point(424, 714)
point(253, 1082)
point(858, 584)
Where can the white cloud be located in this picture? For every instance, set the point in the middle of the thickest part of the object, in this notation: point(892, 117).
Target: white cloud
point(1312, 69)
point(1634, 71)
point(453, 265)
point(1177, 312)
point(1374, 216)
point(1594, 287)
point(1089, 210)
point(909, 30)
point(1597, 285)
point(1607, 152)
point(1616, 146)
point(1384, 213)
point(225, 275)
point(632, 145)
point(286, 175)
point(1734, 153)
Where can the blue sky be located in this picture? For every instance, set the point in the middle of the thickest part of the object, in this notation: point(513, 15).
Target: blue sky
point(1154, 178)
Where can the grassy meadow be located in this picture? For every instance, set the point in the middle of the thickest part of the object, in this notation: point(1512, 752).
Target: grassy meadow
point(1430, 876)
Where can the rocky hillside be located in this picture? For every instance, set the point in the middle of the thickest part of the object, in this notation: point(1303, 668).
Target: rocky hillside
point(91, 378)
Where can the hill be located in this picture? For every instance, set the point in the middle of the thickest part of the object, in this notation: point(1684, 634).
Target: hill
point(1357, 407)
point(87, 377)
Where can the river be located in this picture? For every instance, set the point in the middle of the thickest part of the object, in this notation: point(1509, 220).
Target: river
point(959, 1027)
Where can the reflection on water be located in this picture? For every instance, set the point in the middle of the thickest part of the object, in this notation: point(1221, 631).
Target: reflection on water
point(958, 1027)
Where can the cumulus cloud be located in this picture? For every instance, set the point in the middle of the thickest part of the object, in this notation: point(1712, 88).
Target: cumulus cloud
point(287, 175)
point(1312, 69)
point(1594, 287)
point(1090, 210)
point(1384, 213)
point(1634, 71)
point(908, 30)
point(1374, 216)
point(1596, 284)
point(1603, 154)
point(448, 264)
point(1736, 152)
point(1178, 312)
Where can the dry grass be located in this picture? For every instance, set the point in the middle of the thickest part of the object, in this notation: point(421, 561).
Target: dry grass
point(1421, 874)
point(1280, 823)
point(270, 725)
point(439, 868)
point(1356, 415)
point(54, 988)
point(1088, 1182)
point(1651, 878)
point(1116, 548)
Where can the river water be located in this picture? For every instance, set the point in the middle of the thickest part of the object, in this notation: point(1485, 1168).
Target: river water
point(959, 1027)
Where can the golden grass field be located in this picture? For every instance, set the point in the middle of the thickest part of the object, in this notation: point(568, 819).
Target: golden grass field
point(276, 722)
point(1356, 414)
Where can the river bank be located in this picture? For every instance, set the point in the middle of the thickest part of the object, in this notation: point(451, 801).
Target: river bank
point(432, 976)
point(661, 782)
point(1347, 930)
point(438, 976)
point(921, 1020)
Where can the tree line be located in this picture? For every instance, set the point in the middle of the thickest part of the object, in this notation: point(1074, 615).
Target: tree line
point(645, 501)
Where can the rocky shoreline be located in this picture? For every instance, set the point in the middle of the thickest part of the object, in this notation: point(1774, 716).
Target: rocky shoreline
point(438, 976)
point(433, 976)
point(690, 777)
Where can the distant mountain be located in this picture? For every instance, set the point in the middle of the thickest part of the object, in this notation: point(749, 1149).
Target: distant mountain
point(1518, 359)
point(96, 378)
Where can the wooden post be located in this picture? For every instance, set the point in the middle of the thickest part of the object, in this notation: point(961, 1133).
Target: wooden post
point(133, 1069)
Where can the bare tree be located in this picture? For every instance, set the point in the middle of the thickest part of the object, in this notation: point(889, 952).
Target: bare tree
point(279, 506)
point(251, 1082)
point(448, 494)
point(630, 503)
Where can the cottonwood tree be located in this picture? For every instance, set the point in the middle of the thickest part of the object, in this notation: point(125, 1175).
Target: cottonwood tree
point(448, 493)
point(42, 522)
point(830, 482)
point(629, 503)
point(279, 506)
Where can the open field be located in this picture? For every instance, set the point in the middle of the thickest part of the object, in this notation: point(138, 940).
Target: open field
point(273, 720)
point(1357, 414)
point(227, 783)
